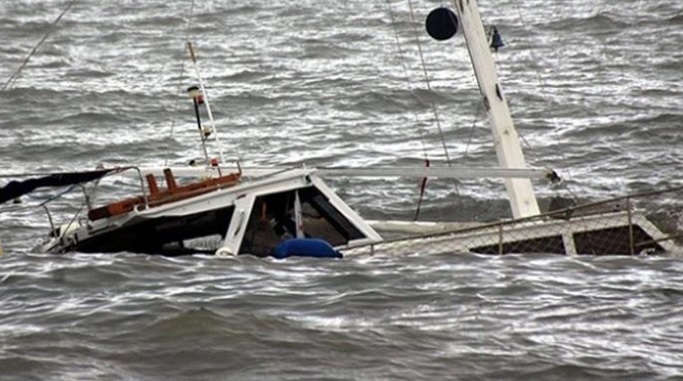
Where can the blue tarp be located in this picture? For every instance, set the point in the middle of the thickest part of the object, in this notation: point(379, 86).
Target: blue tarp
point(305, 247)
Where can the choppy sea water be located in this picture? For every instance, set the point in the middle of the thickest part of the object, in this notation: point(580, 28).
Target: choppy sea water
point(595, 90)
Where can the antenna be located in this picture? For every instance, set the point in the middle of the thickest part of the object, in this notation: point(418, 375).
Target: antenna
point(198, 99)
point(208, 105)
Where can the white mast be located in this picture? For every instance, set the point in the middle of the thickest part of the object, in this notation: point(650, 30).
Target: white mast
point(509, 151)
point(208, 105)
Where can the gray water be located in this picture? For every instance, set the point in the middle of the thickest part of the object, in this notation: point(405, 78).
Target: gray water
point(596, 90)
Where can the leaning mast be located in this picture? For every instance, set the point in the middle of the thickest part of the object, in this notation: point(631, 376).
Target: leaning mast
point(508, 149)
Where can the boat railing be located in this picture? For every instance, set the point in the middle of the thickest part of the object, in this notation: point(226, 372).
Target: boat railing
point(155, 196)
point(148, 195)
point(614, 226)
point(142, 190)
point(88, 199)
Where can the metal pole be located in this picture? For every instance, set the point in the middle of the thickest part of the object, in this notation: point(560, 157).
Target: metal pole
point(201, 132)
point(500, 239)
point(631, 244)
point(206, 100)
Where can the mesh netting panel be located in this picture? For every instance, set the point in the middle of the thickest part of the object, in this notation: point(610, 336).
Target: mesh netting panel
point(614, 227)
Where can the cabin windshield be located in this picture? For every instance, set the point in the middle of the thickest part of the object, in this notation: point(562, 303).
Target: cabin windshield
point(272, 220)
point(172, 235)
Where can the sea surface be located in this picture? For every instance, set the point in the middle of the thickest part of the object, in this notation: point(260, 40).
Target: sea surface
point(596, 92)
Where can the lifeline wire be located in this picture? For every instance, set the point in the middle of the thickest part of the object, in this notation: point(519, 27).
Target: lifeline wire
point(15, 76)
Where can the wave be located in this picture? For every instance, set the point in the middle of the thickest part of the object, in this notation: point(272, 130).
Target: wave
point(598, 22)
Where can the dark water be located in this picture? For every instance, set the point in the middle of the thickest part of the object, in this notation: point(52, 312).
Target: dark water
point(596, 90)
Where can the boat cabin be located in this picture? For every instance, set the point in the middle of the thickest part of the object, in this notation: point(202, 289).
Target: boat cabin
point(250, 217)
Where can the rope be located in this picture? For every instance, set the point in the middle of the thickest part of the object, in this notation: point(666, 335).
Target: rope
point(474, 123)
point(432, 104)
point(409, 83)
point(46, 200)
point(428, 84)
point(16, 74)
point(404, 66)
point(180, 84)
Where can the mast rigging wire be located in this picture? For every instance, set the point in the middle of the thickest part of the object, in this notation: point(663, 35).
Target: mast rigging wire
point(409, 83)
point(428, 84)
point(429, 88)
point(17, 72)
point(543, 85)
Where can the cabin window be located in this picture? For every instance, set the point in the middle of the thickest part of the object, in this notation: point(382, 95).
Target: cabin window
point(272, 220)
point(547, 245)
point(613, 241)
point(176, 235)
point(196, 233)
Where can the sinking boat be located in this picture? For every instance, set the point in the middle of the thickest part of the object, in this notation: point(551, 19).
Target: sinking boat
point(246, 217)
point(292, 211)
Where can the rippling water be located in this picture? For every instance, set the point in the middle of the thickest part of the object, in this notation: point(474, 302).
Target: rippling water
point(596, 90)
point(440, 317)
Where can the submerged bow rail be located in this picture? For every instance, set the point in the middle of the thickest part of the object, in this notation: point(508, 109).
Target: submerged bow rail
point(149, 194)
point(615, 226)
point(77, 179)
point(157, 196)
